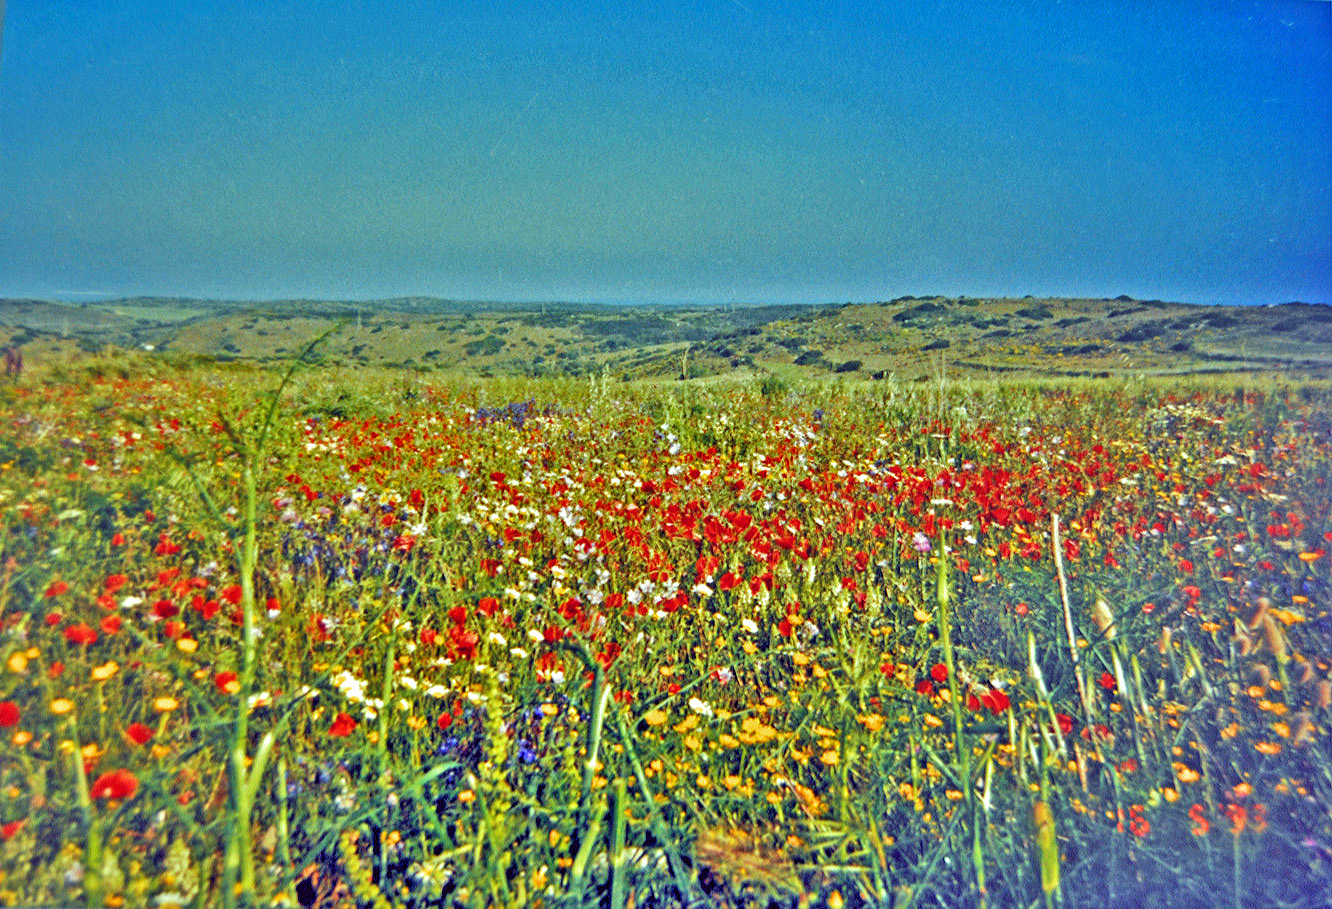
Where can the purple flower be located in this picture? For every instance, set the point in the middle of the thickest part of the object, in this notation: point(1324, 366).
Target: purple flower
point(921, 542)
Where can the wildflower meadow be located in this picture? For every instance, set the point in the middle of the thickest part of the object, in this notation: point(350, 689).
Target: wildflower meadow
point(333, 638)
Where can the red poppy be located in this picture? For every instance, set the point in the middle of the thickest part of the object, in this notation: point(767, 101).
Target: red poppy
point(342, 726)
point(138, 733)
point(56, 589)
point(165, 546)
point(111, 624)
point(226, 682)
point(205, 608)
point(115, 784)
point(925, 686)
point(445, 721)
point(80, 634)
point(232, 594)
point(8, 830)
point(9, 714)
point(1107, 681)
point(118, 539)
point(939, 672)
point(114, 582)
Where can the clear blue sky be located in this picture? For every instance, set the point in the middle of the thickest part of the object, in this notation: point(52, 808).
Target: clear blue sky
point(648, 151)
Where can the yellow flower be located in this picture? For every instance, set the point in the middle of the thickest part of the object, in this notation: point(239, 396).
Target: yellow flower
point(187, 645)
point(830, 757)
point(654, 717)
point(933, 721)
point(61, 706)
point(18, 662)
point(871, 721)
point(467, 796)
point(1268, 748)
point(105, 671)
point(1186, 773)
point(686, 724)
point(22, 737)
point(165, 704)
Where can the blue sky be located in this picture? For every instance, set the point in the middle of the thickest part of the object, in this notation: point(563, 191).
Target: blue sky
point(692, 151)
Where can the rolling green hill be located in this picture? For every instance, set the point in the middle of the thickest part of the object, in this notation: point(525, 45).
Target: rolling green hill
point(908, 338)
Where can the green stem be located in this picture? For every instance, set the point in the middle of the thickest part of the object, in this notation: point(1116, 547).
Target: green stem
point(960, 740)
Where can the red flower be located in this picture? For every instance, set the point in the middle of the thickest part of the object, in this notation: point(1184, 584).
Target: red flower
point(925, 686)
point(138, 733)
point(111, 624)
point(1186, 566)
point(165, 546)
point(342, 726)
point(1198, 815)
point(56, 589)
point(939, 672)
point(80, 634)
point(1107, 681)
point(8, 830)
point(445, 721)
point(1065, 722)
point(114, 582)
point(232, 594)
point(9, 714)
point(226, 682)
point(115, 784)
point(205, 608)
point(118, 539)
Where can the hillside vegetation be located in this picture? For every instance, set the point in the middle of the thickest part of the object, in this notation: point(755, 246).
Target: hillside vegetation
point(911, 337)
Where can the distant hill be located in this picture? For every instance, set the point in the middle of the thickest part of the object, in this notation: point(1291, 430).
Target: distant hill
point(907, 338)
